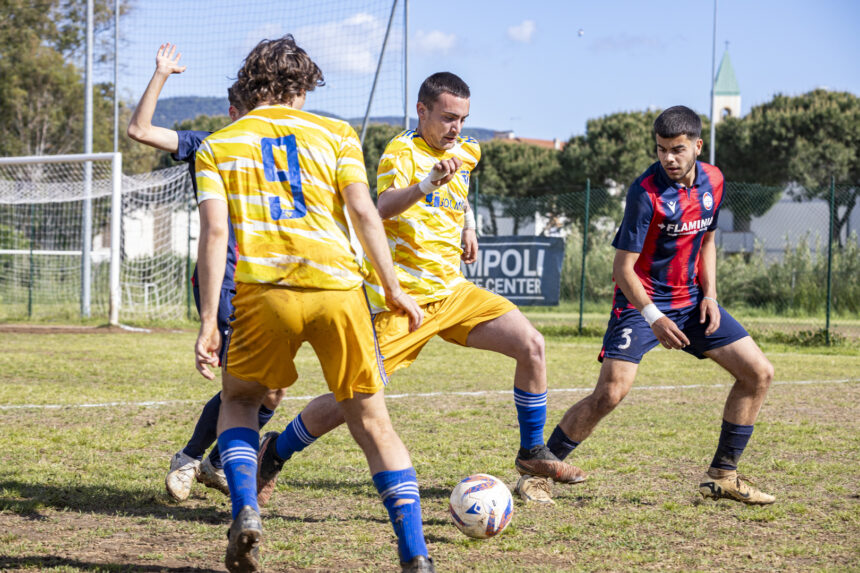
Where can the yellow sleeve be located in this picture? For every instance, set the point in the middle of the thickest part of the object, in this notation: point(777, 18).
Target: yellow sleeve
point(350, 161)
point(396, 168)
point(210, 185)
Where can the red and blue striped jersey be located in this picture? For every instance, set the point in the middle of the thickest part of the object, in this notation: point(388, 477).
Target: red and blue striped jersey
point(665, 222)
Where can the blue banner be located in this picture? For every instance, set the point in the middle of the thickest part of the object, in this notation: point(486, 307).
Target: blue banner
point(525, 270)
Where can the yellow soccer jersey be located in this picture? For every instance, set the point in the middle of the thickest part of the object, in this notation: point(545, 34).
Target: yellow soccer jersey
point(281, 171)
point(425, 239)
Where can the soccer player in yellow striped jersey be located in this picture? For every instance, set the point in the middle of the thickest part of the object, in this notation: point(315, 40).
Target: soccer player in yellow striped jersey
point(423, 186)
point(287, 179)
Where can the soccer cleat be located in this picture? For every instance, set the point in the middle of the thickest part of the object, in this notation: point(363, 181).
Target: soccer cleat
point(213, 477)
point(419, 564)
point(268, 467)
point(183, 470)
point(733, 486)
point(243, 542)
point(539, 461)
point(536, 489)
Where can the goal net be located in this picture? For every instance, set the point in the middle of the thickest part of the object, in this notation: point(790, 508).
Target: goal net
point(77, 239)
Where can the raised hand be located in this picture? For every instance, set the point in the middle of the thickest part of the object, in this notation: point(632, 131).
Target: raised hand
point(167, 60)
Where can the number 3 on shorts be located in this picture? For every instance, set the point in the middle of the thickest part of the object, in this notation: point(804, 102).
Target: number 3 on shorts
point(626, 334)
point(292, 175)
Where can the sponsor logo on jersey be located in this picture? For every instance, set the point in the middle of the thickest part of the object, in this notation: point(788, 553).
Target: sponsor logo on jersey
point(708, 201)
point(686, 228)
point(671, 205)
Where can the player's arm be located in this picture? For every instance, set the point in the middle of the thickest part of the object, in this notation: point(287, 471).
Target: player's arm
point(368, 228)
point(666, 331)
point(470, 236)
point(392, 202)
point(707, 271)
point(140, 126)
point(211, 258)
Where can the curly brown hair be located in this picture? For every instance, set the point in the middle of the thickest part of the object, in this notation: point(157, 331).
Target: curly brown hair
point(276, 71)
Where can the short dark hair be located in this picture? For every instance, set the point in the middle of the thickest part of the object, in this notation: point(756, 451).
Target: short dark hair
point(276, 71)
point(439, 83)
point(678, 120)
point(233, 98)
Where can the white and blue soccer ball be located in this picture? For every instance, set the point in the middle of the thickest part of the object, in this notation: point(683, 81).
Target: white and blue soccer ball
point(481, 506)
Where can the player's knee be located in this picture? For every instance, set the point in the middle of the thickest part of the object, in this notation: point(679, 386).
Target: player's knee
point(274, 397)
point(608, 397)
point(763, 375)
point(533, 347)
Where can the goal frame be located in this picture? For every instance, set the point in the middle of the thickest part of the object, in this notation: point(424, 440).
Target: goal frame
point(87, 226)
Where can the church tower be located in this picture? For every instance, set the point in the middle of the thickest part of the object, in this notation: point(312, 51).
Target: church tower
point(727, 94)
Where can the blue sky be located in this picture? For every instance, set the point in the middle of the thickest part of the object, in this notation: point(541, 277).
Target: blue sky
point(529, 68)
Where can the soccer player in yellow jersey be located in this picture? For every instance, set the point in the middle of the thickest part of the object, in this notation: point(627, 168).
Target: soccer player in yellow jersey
point(423, 182)
point(287, 179)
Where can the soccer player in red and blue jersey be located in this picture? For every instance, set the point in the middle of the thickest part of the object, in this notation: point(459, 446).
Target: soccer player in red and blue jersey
point(666, 293)
point(188, 464)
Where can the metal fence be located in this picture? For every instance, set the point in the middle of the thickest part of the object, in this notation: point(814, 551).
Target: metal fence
point(788, 257)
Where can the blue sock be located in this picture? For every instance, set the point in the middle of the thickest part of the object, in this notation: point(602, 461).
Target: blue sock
point(733, 440)
point(263, 416)
point(559, 444)
point(394, 486)
point(206, 429)
point(239, 452)
point(531, 413)
point(294, 438)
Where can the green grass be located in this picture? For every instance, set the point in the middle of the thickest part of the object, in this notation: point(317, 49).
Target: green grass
point(81, 489)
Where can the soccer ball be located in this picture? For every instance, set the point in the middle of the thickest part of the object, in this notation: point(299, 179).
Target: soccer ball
point(481, 506)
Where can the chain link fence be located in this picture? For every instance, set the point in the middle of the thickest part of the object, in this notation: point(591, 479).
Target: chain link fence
point(788, 258)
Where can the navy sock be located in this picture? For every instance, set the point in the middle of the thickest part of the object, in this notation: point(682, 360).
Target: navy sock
point(206, 429)
point(294, 438)
point(394, 486)
point(531, 414)
point(559, 444)
point(239, 452)
point(263, 416)
point(733, 440)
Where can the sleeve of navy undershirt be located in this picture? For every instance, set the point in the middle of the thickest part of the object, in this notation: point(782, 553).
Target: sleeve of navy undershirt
point(638, 212)
point(189, 143)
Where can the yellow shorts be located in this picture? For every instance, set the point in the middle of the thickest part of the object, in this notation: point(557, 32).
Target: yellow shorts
point(271, 322)
point(452, 318)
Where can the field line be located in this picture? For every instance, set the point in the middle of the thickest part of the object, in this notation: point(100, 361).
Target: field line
point(410, 395)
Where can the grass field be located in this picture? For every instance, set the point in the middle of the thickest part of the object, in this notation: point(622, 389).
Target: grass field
point(81, 488)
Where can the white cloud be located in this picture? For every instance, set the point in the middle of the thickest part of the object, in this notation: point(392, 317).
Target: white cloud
point(435, 42)
point(349, 46)
point(523, 32)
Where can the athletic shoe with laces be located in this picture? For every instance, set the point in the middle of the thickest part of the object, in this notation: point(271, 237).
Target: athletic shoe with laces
point(243, 542)
point(268, 467)
point(183, 470)
point(418, 564)
point(213, 477)
point(731, 485)
point(539, 461)
point(537, 489)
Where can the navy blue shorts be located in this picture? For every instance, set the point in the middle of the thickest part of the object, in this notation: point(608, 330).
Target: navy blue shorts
point(628, 337)
point(225, 311)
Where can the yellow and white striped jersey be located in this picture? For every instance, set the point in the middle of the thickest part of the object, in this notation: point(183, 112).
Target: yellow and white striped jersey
point(425, 239)
point(281, 172)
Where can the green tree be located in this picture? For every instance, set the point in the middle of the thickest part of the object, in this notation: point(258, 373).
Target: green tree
point(516, 178)
point(804, 139)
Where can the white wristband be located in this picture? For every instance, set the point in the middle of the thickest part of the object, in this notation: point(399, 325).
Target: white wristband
point(426, 185)
point(651, 313)
point(470, 220)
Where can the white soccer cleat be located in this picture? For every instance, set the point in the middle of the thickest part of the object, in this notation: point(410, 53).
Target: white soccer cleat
point(535, 489)
point(213, 477)
point(183, 470)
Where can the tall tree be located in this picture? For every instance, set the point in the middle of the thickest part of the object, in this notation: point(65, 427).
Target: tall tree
point(804, 139)
point(515, 177)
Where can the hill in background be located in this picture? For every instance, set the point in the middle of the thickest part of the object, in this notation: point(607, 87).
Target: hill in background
point(173, 110)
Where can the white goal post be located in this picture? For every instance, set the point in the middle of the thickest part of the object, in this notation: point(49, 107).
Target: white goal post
point(85, 251)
